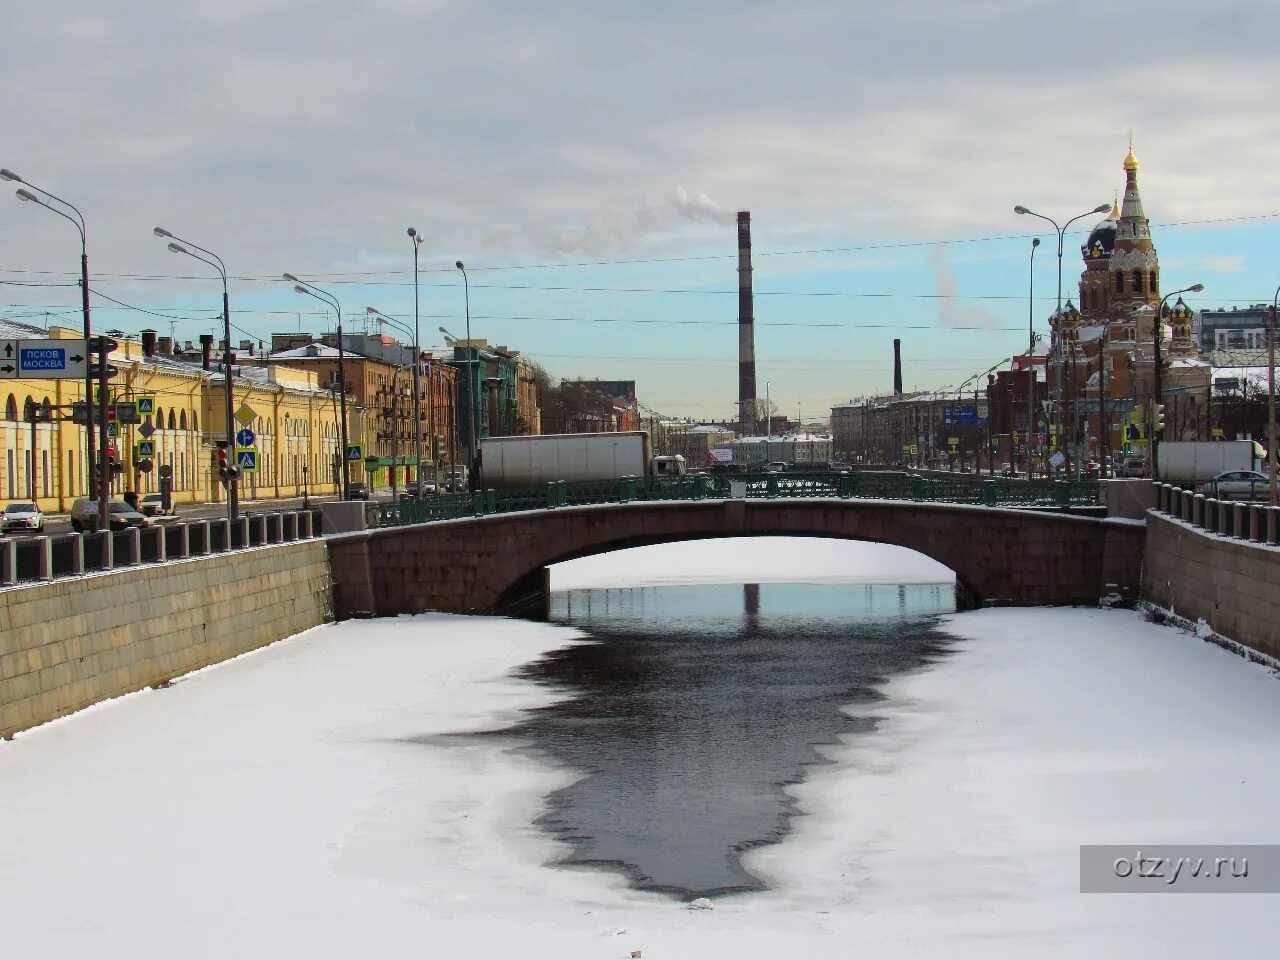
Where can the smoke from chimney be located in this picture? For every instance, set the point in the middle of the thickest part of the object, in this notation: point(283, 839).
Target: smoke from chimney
point(746, 329)
point(897, 366)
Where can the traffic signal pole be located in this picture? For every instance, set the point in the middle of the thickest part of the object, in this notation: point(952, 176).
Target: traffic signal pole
point(104, 465)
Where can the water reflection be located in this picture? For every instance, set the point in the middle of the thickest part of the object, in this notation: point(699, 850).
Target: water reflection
point(696, 705)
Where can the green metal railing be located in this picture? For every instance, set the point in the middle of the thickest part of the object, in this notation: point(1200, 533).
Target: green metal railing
point(845, 486)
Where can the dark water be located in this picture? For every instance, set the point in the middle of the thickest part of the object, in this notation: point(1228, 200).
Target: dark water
point(696, 705)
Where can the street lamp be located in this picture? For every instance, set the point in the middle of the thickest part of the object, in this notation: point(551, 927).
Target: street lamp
point(78, 222)
point(178, 245)
point(416, 238)
point(417, 405)
point(471, 400)
point(1271, 403)
point(1061, 230)
point(1156, 336)
point(1031, 349)
point(301, 286)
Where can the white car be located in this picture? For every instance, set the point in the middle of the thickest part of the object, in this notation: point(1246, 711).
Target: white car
point(1236, 485)
point(22, 516)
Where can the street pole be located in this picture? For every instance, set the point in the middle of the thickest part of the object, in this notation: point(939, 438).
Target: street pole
point(417, 405)
point(1061, 231)
point(417, 364)
point(1031, 349)
point(1271, 402)
point(1158, 393)
point(178, 245)
point(78, 222)
point(301, 286)
point(471, 399)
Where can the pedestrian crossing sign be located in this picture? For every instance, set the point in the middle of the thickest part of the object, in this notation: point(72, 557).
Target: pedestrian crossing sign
point(246, 458)
point(355, 451)
point(146, 405)
point(144, 448)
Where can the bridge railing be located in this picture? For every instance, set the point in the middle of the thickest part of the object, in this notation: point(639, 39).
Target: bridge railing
point(879, 485)
point(1255, 522)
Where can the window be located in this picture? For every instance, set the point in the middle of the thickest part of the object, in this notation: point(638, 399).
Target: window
point(195, 422)
point(173, 421)
point(1137, 281)
point(159, 424)
point(182, 420)
point(1119, 281)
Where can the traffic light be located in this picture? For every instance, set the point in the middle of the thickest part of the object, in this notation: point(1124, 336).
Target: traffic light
point(226, 469)
point(437, 447)
point(114, 461)
point(1157, 418)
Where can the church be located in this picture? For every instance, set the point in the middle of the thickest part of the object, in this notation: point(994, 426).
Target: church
point(1102, 358)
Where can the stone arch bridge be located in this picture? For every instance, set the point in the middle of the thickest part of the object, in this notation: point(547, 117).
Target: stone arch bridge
point(498, 564)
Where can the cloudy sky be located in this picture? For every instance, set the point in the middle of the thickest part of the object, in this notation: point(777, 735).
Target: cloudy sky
point(586, 159)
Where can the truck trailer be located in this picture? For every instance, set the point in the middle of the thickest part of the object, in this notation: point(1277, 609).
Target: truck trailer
point(1191, 462)
point(508, 462)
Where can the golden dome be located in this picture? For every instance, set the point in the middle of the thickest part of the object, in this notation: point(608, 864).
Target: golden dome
point(1131, 162)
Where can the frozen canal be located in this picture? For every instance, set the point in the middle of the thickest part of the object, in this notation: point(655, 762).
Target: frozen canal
point(314, 799)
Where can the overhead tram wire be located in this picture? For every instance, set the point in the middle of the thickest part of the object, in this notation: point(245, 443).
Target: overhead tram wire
point(814, 251)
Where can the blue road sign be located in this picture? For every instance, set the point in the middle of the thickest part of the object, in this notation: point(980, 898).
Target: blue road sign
point(960, 415)
point(146, 448)
point(247, 459)
point(355, 452)
point(245, 437)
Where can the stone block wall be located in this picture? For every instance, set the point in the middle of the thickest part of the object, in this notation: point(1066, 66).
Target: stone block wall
point(1231, 584)
point(70, 643)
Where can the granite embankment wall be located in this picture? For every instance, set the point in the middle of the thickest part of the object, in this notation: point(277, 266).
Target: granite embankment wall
point(1231, 584)
point(70, 643)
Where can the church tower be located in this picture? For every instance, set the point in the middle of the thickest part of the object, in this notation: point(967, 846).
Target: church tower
point(1134, 269)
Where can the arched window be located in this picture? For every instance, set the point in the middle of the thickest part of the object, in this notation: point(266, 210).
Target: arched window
point(182, 420)
point(1119, 281)
point(195, 422)
point(11, 408)
point(173, 421)
point(46, 408)
point(159, 424)
point(1137, 281)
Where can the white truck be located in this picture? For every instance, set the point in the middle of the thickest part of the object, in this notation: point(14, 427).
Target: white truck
point(1191, 462)
point(507, 462)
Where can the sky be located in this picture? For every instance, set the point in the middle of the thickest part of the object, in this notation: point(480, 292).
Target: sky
point(586, 160)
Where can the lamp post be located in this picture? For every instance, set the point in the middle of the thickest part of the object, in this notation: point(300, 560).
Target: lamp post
point(301, 286)
point(471, 399)
point(1061, 230)
point(178, 245)
point(1271, 402)
point(1031, 349)
point(78, 222)
point(1156, 336)
point(417, 390)
point(416, 239)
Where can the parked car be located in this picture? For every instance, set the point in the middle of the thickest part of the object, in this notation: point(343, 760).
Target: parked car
point(84, 515)
point(1132, 468)
point(357, 490)
point(424, 488)
point(1235, 485)
point(152, 505)
point(22, 516)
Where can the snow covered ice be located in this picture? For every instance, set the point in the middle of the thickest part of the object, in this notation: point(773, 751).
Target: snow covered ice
point(308, 800)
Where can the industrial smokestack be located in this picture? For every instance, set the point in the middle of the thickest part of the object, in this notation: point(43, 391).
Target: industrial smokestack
point(746, 330)
point(897, 366)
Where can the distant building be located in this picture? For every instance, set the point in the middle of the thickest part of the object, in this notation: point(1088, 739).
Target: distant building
point(694, 442)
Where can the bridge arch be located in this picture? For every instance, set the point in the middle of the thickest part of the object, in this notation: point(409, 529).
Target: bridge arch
point(498, 564)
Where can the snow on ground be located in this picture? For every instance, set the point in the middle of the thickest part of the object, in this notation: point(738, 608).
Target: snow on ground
point(752, 560)
point(307, 801)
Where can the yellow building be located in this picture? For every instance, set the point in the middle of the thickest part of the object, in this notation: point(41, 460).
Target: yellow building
point(294, 419)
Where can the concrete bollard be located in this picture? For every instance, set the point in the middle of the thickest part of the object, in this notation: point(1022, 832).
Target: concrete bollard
point(133, 537)
point(44, 558)
point(162, 547)
point(204, 536)
point(77, 554)
point(1197, 510)
point(8, 561)
point(1184, 507)
point(222, 539)
point(1256, 522)
point(1239, 521)
point(184, 542)
point(1223, 514)
point(242, 526)
point(305, 526)
point(108, 547)
point(277, 521)
point(1273, 524)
